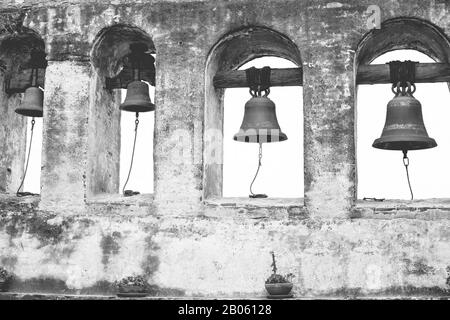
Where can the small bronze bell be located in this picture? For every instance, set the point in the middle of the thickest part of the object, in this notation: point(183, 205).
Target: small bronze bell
point(138, 98)
point(32, 104)
point(404, 128)
point(260, 122)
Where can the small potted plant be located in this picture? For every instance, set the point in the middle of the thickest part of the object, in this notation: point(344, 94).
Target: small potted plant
point(277, 285)
point(5, 279)
point(132, 286)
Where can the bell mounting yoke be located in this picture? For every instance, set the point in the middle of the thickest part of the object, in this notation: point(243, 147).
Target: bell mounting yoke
point(403, 76)
point(258, 80)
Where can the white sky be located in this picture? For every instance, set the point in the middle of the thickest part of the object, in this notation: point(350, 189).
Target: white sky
point(33, 178)
point(380, 172)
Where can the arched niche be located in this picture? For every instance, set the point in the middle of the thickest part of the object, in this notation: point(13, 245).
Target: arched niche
point(110, 47)
point(229, 53)
point(112, 44)
point(15, 56)
point(15, 49)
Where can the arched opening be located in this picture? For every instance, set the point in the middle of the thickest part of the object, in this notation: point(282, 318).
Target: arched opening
point(18, 64)
point(222, 155)
point(281, 173)
point(381, 173)
point(111, 155)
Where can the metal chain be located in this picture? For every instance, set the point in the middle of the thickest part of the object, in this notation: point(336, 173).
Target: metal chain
point(132, 158)
point(18, 193)
point(406, 164)
point(258, 195)
point(258, 92)
point(398, 89)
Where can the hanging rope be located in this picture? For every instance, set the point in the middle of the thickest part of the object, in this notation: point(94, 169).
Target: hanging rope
point(128, 193)
point(373, 199)
point(406, 164)
point(23, 194)
point(258, 195)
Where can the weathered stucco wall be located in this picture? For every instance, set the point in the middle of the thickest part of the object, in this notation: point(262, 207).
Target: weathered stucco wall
point(71, 239)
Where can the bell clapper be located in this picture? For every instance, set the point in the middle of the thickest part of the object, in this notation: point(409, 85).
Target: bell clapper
point(258, 195)
point(406, 164)
point(128, 193)
point(18, 193)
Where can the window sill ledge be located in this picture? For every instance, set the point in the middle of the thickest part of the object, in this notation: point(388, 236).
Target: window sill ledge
point(141, 200)
point(263, 207)
point(240, 202)
point(417, 209)
point(11, 198)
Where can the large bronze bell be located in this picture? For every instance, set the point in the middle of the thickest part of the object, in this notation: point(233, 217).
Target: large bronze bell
point(404, 128)
point(260, 122)
point(32, 104)
point(138, 98)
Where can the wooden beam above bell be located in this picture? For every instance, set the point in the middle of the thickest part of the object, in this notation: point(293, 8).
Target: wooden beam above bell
point(122, 80)
point(367, 74)
point(425, 73)
point(21, 80)
point(278, 78)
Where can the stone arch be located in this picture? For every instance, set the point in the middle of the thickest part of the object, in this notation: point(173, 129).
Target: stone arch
point(16, 48)
point(404, 33)
point(112, 44)
point(109, 48)
point(229, 53)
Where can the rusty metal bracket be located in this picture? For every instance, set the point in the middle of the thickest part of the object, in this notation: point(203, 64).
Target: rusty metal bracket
point(258, 80)
point(402, 72)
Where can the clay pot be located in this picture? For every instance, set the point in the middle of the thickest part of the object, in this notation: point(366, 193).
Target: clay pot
point(276, 289)
point(131, 291)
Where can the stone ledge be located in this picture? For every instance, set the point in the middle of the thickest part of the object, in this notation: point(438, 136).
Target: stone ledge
point(262, 208)
point(11, 198)
point(241, 202)
point(43, 296)
point(427, 209)
point(144, 199)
